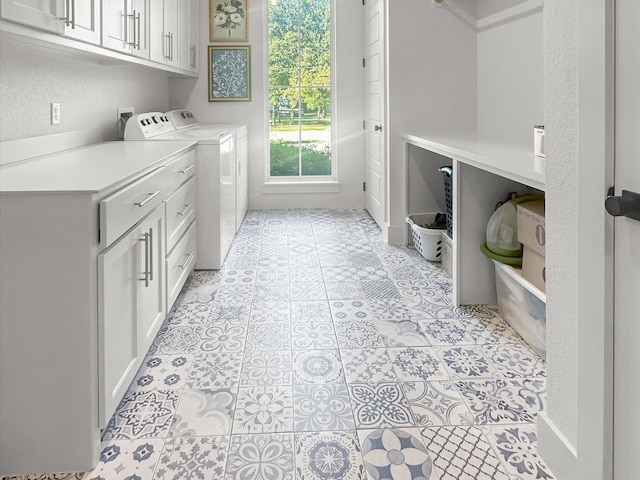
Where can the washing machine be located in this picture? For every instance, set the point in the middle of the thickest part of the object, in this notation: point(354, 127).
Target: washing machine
point(215, 179)
point(184, 120)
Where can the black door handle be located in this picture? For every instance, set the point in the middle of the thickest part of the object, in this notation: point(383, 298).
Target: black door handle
point(627, 205)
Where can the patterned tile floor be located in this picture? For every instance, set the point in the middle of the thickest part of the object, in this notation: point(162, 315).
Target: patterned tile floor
point(320, 352)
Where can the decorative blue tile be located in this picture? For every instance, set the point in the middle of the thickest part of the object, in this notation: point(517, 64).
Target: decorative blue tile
point(515, 360)
point(269, 312)
point(204, 412)
point(301, 275)
point(466, 361)
point(266, 368)
point(317, 366)
point(310, 311)
point(264, 409)
point(340, 274)
point(396, 454)
point(226, 313)
point(120, 459)
point(189, 314)
point(234, 294)
point(269, 336)
point(322, 407)
point(492, 401)
point(358, 334)
point(261, 457)
point(445, 332)
point(532, 391)
point(417, 364)
point(280, 276)
point(233, 277)
point(304, 261)
point(462, 453)
point(223, 338)
point(379, 289)
point(143, 415)
point(310, 335)
point(163, 372)
point(192, 458)
point(344, 290)
point(390, 309)
point(380, 405)
point(301, 292)
point(271, 293)
point(215, 370)
point(517, 448)
point(357, 310)
point(402, 333)
point(369, 365)
point(436, 403)
point(328, 456)
point(173, 340)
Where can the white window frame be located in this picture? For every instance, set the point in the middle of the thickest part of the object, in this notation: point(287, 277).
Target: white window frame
point(300, 183)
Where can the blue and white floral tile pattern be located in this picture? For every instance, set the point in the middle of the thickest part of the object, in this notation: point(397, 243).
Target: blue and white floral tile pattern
point(462, 453)
point(261, 457)
point(127, 459)
point(315, 338)
point(192, 457)
point(328, 456)
point(517, 449)
point(396, 454)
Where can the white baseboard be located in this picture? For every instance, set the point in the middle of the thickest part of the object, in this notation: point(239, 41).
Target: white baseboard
point(556, 451)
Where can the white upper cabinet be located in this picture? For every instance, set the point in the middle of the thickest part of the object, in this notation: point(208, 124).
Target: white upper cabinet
point(74, 18)
point(188, 35)
point(163, 29)
point(125, 26)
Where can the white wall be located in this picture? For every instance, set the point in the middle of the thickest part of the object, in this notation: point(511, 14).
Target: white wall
point(89, 94)
point(192, 94)
point(511, 80)
point(431, 84)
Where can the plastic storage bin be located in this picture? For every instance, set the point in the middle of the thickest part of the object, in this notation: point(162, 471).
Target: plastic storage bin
point(447, 172)
point(522, 305)
point(427, 241)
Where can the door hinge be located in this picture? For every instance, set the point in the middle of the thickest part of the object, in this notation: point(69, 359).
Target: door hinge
point(364, 63)
point(364, 186)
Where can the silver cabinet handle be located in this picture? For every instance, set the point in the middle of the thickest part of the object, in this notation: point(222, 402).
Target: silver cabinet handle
point(137, 45)
point(171, 44)
point(186, 209)
point(145, 239)
point(151, 254)
point(193, 56)
point(73, 14)
point(167, 43)
point(187, 261)
point(150, 197)
point(67, 18)
point(187, 169)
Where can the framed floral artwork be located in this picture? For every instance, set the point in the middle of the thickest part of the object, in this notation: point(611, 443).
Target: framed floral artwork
point(228, 21)
point(229, 73)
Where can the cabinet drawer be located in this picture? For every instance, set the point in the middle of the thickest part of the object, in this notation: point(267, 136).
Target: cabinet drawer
point(125, 208)
point(181, 169)
point(181, 212)
point(180, 262)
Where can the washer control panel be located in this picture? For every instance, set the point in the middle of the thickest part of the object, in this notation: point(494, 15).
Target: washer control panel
point(147, 125)
point(182, 118)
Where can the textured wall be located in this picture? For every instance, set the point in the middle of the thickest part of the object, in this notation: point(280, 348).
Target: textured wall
point(89, 94)
point(561, 137)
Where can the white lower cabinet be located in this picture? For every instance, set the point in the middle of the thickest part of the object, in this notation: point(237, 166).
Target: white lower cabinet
point(131, 303)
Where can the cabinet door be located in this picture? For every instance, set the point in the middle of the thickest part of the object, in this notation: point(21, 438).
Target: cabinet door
point(188, 33)
point(116, 27)
point(158, 42)
point(140, 18)
point(151, 290)
point(171, 18)
point(35, 13)
point(120, 354)
point(85, 20)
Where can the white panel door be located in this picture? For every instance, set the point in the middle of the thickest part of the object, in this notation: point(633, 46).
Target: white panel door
point(85, 20)
point(626, 393)
point(375, 161)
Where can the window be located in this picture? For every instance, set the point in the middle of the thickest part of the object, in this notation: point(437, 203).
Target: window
point(300, 88)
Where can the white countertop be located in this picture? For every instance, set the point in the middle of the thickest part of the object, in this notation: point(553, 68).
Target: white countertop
point(88, 169)
point(507, 161)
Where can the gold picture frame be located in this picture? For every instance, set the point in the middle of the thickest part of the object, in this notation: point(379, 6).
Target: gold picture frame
point(228, 20)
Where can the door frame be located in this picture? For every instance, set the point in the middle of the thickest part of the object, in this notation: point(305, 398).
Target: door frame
point(596, 101)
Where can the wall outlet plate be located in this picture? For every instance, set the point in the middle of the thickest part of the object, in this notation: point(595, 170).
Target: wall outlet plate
point(55, 113)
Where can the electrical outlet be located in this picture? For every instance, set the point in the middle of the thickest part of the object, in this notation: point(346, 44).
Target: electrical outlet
point(55, 113)
point(123, 114)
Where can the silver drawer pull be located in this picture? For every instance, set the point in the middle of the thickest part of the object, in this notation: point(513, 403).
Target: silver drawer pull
point(148, 199)
point(145, 238)
point(187, 169)
point(186, 209)
point(186, 262)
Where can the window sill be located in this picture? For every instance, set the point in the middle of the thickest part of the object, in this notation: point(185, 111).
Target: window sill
point(298, 187)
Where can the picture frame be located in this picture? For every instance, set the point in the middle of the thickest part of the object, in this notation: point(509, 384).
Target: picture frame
point(229, 73)
point(228, 20)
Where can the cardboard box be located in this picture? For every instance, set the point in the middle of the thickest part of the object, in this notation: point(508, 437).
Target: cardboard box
point(531, 232)
point(534, 268)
